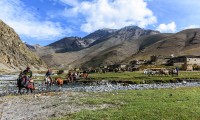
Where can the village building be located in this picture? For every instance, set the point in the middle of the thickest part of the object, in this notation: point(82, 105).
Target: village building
point(118, 67)
point(159, 60)
point(188, 62)
point(135, 65)
point(138, 62)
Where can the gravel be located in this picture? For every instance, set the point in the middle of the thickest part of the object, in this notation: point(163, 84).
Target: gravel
point(9, 87)
point(111, 87)
point(45, 105)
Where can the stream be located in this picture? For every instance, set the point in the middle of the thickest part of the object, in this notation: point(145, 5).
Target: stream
point(8, 86)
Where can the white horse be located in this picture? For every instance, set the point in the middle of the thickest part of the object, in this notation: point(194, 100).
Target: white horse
point(150, 72)
point(48, 83)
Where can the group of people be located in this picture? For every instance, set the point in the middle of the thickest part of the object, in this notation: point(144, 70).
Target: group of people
point(25, 79)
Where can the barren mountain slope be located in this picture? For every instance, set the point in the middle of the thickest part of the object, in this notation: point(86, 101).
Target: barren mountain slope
point(14, 54)
point(101, 50)
point(186, 42)
point(100, 45)
point(121, 52)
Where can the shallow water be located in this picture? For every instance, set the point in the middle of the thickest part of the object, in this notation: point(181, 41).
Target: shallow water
point(13, 77)
point(8, 86)
point(8, 77)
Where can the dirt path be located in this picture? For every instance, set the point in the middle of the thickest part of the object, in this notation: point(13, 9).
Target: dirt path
point(42, 106)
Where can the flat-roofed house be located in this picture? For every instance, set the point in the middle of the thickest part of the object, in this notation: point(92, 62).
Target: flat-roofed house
point(185, 62)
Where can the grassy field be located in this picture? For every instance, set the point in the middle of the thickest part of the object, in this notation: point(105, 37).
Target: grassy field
point(139, 77)
point(165, 104)
point(134, 77)
point(157, 104)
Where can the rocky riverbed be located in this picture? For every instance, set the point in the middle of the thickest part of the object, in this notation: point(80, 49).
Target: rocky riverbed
point(9, 87)
point(59, 101)
point(43, 105)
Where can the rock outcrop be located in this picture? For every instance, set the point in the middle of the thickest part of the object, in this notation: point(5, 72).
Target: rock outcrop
point(14, 55)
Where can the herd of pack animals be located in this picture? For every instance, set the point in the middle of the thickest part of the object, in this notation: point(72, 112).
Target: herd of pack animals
point(166, 72)
point(70, 78)
point(48, 81)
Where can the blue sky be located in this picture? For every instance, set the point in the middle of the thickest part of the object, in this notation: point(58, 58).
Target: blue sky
point(46, 21)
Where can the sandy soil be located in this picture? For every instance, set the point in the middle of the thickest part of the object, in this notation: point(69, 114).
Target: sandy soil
point(43, 106)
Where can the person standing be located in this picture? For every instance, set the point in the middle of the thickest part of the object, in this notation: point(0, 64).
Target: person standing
point(177, 70)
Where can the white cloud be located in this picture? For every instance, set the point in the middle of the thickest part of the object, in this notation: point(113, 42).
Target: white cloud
point(26, 22)
point(70, 2)
point(192, 26)
point(171, 27)
point(99, 14)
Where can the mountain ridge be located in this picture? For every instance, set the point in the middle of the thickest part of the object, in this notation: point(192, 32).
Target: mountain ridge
point(122, 46)
point(14, 55)
point(103, 42)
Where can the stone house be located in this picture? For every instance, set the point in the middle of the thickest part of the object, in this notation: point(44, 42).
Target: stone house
point(117, 66)
point(159, 60)
point(185, 62)
point(138, 62)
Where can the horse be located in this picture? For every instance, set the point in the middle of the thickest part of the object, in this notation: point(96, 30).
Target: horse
point(84, 75)
point(173, 72)
point(24, 82)
point(59, 82)
point(164, 72)
point(48, 82)
point(150, 72)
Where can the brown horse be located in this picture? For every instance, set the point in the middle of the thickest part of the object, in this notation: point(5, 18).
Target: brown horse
point(25, 82)
point(84, 75)
point(59, 82)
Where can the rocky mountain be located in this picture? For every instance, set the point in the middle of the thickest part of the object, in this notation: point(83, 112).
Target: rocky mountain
point(123, 51)
point(98, 36)
point(14, 54)
point(68, 44)
point(33, 47)
point(103, 42)
point(186, 42)
point(108, 46)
